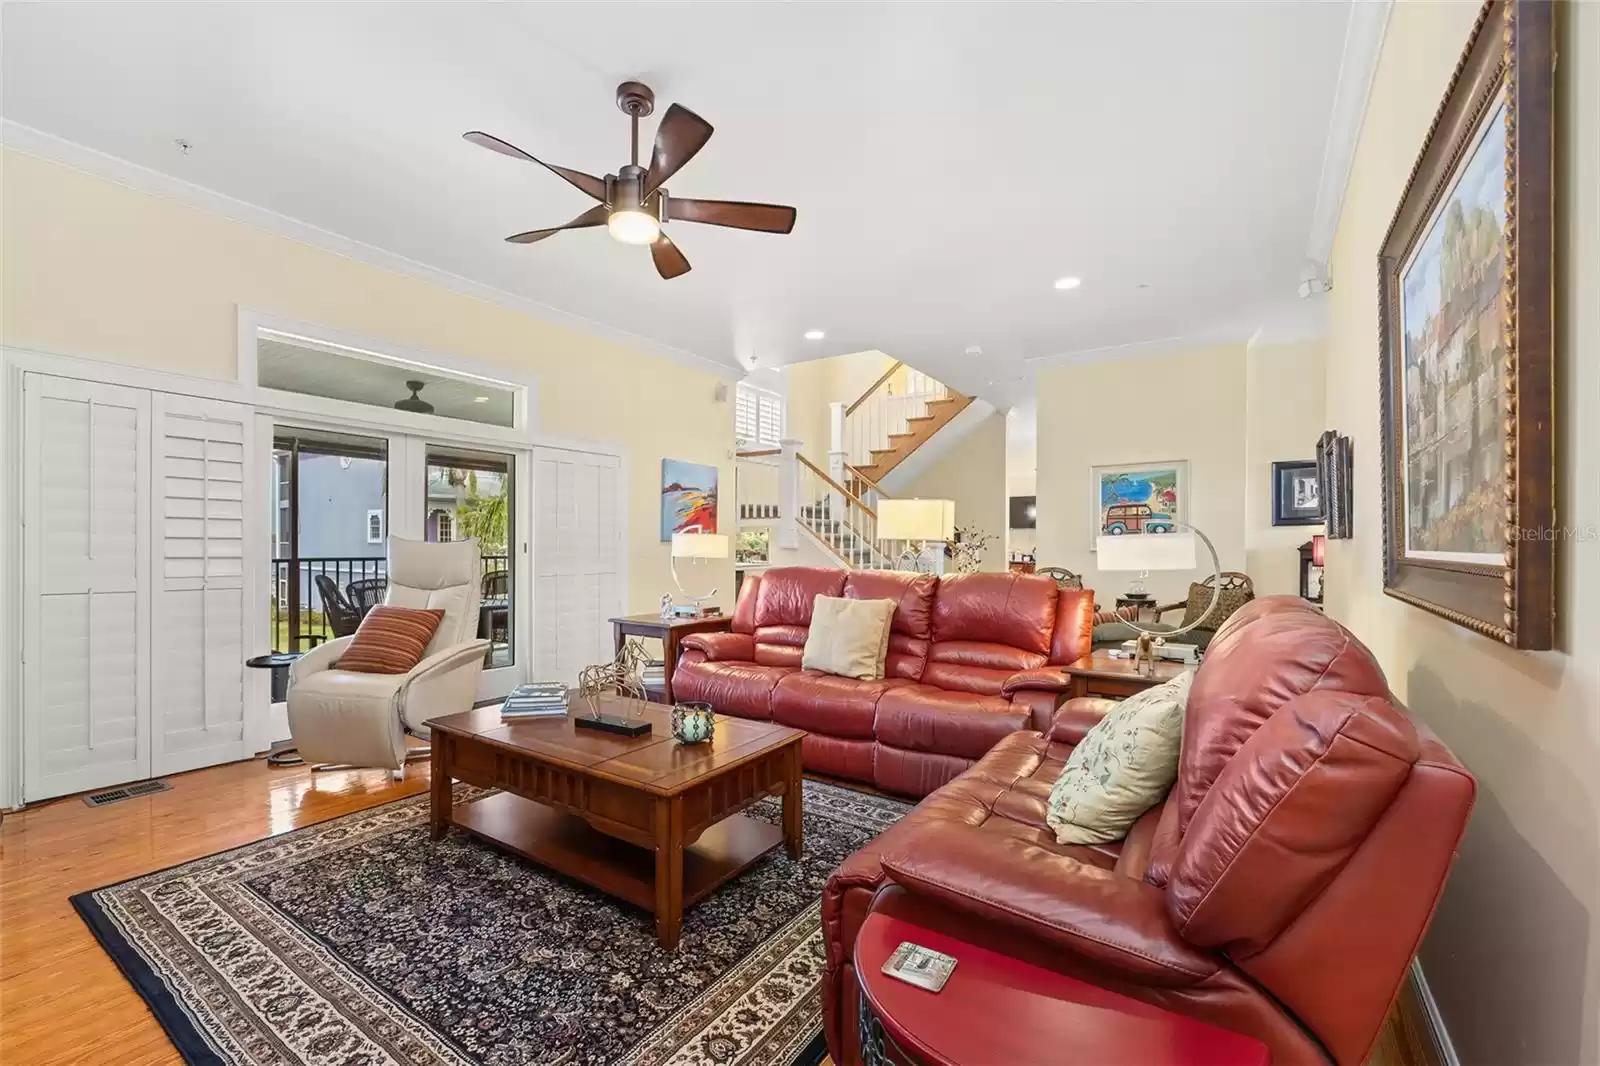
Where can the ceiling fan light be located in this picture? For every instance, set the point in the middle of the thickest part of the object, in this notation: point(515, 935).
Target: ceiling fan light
point(632, 226)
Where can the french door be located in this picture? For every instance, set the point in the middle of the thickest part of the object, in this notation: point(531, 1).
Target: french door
point(578, 557)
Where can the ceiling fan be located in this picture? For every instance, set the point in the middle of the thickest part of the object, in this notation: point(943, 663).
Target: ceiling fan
point(633, 203)
point(415, 403)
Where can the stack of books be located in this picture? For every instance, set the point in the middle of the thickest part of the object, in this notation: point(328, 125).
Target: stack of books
point(537, 699)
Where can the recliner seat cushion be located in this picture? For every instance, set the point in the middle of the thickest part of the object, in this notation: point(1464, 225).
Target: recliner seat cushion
point(828, 704)
point(928, 719)
point(976, 665)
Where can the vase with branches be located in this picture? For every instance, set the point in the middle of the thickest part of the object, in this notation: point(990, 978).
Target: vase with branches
point(966, 549)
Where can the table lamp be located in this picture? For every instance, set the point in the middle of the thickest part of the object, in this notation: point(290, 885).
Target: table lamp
point(1157, 551)
point(916, 521)
point(694, 544)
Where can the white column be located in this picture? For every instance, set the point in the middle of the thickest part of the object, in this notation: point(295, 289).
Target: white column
point(787, 530)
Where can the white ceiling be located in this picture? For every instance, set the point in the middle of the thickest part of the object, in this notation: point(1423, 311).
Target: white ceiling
point(948, 161)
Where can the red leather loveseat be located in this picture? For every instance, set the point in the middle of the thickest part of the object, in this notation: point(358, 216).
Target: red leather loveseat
point(1279, 891)
point(969, 665)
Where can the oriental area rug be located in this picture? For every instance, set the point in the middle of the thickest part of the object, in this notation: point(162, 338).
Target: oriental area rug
point(359, 942)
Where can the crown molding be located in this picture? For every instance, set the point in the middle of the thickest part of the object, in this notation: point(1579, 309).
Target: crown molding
point(1358, 64)
point(53, 149)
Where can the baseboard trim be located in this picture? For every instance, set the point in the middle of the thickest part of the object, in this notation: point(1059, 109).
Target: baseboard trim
point(1414, 1034)
point(1440, 1050)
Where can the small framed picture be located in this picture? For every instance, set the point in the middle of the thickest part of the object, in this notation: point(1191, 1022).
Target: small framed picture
point(1296, 493)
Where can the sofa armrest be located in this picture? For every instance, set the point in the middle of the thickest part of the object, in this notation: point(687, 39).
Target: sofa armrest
point(1114, 922)
point(1076, 717)
point(723, 647)
point(318, 659)
point(1040, 678)
point(444, 683)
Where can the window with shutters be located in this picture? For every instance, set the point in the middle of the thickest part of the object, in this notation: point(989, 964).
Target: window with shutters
point(758, 417)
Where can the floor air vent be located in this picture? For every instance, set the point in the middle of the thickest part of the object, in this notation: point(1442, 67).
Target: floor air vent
point(125, 792)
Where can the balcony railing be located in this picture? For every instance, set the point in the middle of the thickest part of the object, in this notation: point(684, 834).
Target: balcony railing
point(297, 630)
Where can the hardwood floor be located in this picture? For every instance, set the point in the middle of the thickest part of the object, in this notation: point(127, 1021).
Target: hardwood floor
point(62, 1000)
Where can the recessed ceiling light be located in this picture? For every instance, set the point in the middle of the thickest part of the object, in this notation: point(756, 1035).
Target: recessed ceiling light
point(480, 399)
point(815, 334)
point(1068, 283)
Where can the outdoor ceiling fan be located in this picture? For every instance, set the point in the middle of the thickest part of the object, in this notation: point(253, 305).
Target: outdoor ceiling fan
point(633, 204)
point(415, 403)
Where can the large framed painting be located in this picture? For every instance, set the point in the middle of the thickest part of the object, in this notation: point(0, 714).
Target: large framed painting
point(1138, 498)
point(1465, 305)
point(688, 498)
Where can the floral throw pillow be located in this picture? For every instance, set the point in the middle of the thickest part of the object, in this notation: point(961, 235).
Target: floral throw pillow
point(1122, 768)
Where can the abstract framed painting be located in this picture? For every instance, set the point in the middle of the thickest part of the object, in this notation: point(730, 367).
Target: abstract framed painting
point(688, 498)
point(1465, 295)
point(1138, 498)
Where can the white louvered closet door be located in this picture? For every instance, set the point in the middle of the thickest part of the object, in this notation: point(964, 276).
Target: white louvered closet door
point(86, 686)
point(577, 560)
point(203, 449)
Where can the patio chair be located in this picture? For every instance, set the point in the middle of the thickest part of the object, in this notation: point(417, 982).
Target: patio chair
point(367, 594)
point(342, 616)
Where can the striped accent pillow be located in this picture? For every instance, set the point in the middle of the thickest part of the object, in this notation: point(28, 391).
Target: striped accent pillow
point(390, 640)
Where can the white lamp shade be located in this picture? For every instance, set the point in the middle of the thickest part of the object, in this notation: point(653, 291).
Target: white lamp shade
point(1146, 551)
point(916, 519)
point(699, 546)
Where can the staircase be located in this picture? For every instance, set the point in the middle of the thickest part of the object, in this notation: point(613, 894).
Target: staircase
point(899, 414)
point(841, 521)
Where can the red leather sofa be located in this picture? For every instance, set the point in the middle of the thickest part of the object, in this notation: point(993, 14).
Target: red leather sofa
point(1279, 891)
point(969, 664)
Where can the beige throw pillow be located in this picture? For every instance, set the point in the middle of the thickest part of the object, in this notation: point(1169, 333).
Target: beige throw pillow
point(849, 637)
point(1122, 768)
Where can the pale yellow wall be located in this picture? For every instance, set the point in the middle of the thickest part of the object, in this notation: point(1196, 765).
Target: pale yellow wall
point(1180, 405)
point(1513, 957)
point(1283, 418)
point(102, 271)
point(973, 474)
point(814, 384)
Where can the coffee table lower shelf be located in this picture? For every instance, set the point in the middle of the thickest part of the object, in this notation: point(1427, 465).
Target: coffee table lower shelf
point(569, 845)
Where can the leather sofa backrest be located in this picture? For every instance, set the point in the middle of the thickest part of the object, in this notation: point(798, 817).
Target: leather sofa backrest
point(783, 610)
point(997, 608)
point(1073, 637)
point(744, 608)
point(1267, 653)
point(1313, 822)
point(912, 626)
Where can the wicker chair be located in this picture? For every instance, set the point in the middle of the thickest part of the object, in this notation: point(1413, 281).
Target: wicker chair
point(366, 593)
point(1231, 580)
point(342, 617)
point(1061, 576)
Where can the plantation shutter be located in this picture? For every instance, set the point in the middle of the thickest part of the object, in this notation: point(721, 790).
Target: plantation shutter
point(202, 450)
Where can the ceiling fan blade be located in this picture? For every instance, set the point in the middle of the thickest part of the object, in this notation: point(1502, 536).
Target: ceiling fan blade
point(669, 261)
point(768, 218)
point(586, 183)
point(681, 134)
point(595, 216)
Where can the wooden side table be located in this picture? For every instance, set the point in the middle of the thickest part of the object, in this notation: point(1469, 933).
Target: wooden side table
point(669, 632)
point(1047, 1016)
point(1098, 674)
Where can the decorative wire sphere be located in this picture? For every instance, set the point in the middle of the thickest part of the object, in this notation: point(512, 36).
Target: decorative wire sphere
point(1214, 582)
point(693, 722)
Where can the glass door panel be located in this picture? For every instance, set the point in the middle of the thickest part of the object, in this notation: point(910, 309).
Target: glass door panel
point(472, 493)
point(329, 533)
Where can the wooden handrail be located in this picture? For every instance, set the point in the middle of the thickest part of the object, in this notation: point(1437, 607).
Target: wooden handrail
point(855, 471)
point(823, 474)
point(757, 454)
point(876, 385)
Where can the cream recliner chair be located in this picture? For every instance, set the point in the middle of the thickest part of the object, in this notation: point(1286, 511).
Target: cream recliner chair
point(338, 716)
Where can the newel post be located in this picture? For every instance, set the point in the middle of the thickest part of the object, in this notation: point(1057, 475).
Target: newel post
point(787, 531)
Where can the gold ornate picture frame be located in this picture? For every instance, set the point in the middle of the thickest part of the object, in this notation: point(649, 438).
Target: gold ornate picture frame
point(1465, 321)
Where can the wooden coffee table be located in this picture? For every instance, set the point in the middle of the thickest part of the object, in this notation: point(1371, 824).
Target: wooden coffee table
point(646, 819)
point(1099, 674)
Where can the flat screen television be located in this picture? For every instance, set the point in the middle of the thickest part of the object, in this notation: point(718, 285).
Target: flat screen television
point(1024, 512)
